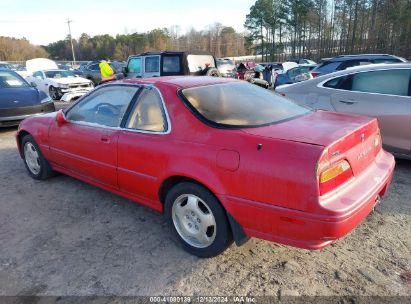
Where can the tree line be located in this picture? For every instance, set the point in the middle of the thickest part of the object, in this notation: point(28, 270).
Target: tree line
point(12, 49)
point(325, 28)
point(217, 39)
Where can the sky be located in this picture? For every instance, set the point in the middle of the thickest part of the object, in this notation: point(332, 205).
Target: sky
point(43, 21)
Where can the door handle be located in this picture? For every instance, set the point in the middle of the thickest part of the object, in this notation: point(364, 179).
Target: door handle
point(349, 102)
point(105, 139)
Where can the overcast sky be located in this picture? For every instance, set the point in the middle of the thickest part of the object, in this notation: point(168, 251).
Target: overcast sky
point(43, 21)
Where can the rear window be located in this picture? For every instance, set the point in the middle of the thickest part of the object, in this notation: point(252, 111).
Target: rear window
point(11, 80)
point(327, 67)
point(171, 64)
point(240, 105)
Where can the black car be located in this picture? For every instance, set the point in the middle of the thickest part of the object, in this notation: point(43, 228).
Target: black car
point(19, 100)
point(154, 64)
point(343, 62)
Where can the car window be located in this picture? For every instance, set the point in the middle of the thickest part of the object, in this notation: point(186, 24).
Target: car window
point(38, 75)
point(105, 106)
point(328, 67)
point(352, 63)
point(148, 113)
point(171, 64)
point(94, 67)
point(134, 65)
point(11, 80)
point(152, 64)
point(334, 83)
point(393, 82)
point(386, 60)
point(240, 105)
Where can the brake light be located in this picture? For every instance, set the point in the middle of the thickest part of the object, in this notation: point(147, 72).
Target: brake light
point(335, 175)
point(315, 74)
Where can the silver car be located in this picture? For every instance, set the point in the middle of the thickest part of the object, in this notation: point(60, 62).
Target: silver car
point(378, 90)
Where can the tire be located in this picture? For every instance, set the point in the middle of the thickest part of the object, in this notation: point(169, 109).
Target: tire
point(198, 220)
point(213, 72)
point(37, 166)
point(54, 93)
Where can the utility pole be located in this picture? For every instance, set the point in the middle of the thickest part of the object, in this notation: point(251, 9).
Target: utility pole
point(71, 40)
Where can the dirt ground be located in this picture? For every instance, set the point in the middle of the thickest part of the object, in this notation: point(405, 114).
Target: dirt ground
point(63, 237)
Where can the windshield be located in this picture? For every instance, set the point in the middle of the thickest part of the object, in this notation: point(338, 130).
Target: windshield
point(11, 80)
point(240, 105)
point(59, 74)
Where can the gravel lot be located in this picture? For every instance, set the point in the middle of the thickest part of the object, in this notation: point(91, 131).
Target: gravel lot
point(63, 237)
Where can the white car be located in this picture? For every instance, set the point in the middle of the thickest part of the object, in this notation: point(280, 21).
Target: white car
point(59, 84)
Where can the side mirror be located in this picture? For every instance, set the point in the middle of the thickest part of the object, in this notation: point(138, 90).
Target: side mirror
point(125, 70)
point(60, 117)
point(33, 84)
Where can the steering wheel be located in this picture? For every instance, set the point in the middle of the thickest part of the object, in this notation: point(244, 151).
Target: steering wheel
point(108, 106)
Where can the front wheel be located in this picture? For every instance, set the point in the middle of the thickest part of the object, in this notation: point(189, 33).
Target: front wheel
point(198, 220)
point(36, 165)
point(54, 93)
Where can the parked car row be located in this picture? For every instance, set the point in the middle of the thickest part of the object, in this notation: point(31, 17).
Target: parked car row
point(224, 159)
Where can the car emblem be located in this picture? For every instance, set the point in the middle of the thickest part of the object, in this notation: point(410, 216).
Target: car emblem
point(16, 101)
point(362, 137)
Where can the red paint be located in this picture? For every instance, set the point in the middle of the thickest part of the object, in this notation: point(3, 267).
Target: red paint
point(273, 193)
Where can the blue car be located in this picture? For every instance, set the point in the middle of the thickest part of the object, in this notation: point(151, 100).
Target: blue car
point(19, 100)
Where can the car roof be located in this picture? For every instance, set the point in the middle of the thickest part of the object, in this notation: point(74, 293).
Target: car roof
point(359, 57)
point(170, 53)
point(180, 81)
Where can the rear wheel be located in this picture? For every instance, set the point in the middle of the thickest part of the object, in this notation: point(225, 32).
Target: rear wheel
point(198, 220)
point(36, 165)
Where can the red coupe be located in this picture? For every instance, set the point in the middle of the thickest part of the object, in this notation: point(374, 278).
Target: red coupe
point(223, 159)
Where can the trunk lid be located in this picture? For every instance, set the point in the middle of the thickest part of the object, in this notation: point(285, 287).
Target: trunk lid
point(19, 97)
point(349, 137)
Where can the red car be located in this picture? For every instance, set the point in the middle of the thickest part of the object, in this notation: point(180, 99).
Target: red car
point(223, 159)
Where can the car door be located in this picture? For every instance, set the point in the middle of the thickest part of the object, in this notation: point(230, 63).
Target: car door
point(151, 66)
point(134, 67)
point(86, 144)
point(384, 94)
point(142, 146)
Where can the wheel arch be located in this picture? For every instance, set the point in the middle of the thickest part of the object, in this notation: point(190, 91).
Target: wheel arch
point(20, 135)
point(237, 231)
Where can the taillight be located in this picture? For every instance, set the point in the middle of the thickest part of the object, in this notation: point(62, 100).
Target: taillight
point(315, 74)
point(335, 175)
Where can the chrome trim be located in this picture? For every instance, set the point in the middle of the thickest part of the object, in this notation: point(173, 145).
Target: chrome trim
point(320, 85)
point(151, 86)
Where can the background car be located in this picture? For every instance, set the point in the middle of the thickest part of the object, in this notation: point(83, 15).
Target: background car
point(343, 62)
point(59, 84)
point(226, 67)
point(379, 90)
point(293, 75)
point(303, 61)
point(19, 100)
point(222, 159)
point(92, 72)
point(5, 65)
point(155, 64)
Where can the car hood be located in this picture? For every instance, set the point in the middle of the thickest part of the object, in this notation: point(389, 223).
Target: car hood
point(70, 80)
point(20, 97)
point(317, 128)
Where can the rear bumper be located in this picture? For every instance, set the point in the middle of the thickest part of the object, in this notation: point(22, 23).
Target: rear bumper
point(12, 117)
point(316, 230)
